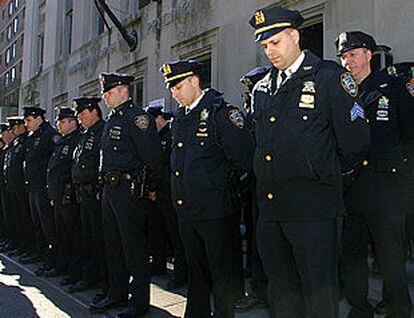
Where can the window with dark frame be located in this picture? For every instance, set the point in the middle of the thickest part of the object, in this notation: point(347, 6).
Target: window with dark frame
point(68, 27)
point(137, 92)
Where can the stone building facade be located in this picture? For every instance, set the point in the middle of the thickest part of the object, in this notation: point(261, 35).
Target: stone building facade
point(66, 44)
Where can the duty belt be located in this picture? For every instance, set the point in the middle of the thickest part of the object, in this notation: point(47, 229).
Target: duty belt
point(114, 178)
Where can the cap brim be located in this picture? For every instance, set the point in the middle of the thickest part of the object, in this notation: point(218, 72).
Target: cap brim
point(267, 34)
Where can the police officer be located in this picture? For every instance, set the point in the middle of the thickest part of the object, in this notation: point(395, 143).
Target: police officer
point(130, 146)
point(309, 130)
point(85, 176)
point(210, 141)
point(378, 201)
point(163, 202)
point(13, 170)
point(62, 195)
point(3, 236)
point(41, 145)
point(8, 217)
point(256, 297)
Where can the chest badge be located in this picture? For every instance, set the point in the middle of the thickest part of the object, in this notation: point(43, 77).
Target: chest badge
point(383, 102)
point(202, 125)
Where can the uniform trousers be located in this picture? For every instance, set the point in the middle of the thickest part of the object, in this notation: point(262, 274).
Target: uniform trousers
point(300, 260)
point(125, 218)
point(208, 246)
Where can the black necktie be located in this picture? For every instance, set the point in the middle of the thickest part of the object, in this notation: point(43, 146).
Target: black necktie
point(283, 76)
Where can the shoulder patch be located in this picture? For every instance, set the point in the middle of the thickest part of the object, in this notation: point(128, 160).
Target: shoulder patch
point(349, 84)
point(142, 122)
point(236, 118)
point(410, 87)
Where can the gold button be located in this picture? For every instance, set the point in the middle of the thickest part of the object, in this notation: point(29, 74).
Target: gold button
point(180, 202)
point(115, 148)
point(112, 178)
point(305, 118)
point(177, 173)
point(365, 163)
point(270, 196)
point(180, 145)
point(272, 119)
point(202, 143)
point(394, 170)
point(268, 158)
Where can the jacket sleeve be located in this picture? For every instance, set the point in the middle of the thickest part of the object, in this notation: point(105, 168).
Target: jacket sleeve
point(235, 138)
point(148, 145)
point(349, 123)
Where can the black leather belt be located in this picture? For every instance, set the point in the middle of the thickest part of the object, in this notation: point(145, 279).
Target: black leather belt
point(114, 178)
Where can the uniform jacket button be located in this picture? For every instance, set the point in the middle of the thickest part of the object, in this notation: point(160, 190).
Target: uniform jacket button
point(115, 148)
point(180, 145)
point(180, 202)
point(365, 163)
point(26, 182)
point(177, 173)
point(394, 170)
point(268, 158)
point(270, 196)
point(305, 117)
point(272, 119)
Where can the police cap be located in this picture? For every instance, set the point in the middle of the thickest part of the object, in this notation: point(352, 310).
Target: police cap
point(156, 111)
point(252, 77)
point(33, 111)
point(270, 21)
point(111, 80)
point(176, 71)
point(82, 103)
point(352, 40)
point(15, 120)
point(64, 112)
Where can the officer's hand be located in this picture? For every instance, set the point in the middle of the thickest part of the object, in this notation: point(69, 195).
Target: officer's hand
point(152, 196)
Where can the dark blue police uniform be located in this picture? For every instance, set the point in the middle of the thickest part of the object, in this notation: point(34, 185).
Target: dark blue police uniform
point(13, 170)
point(129, 143)
point(209, 143)
point(40, 148)
point(61, 192)
point(309, 130)
point(85, 173)
point(378, 201)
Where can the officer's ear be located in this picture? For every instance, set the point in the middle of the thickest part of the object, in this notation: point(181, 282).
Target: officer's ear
point(195, 80)
point(294, 33)
point(369, 54)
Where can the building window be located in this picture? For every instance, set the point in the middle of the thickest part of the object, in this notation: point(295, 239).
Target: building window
point(11, 8)
point(13, 74)
point(100, 26)
point(1, 36)
point(16, 25)
point(9, 32)
point(6, 81)
point(14, 49)
point(2, 13)
point(205, 72)
point(312, 35)
point(68, 26)
point(17, 3)
point(8, 57)
point(137, 92)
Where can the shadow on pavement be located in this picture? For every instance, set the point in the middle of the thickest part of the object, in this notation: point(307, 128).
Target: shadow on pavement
point(13, 303)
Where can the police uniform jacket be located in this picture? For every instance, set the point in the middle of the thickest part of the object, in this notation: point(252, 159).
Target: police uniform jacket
point(307, 133)
point(129, 142)
point(86, 157)
point(40, 147)
point(208, 142)
point(13, 164)
point(60, 166)
point(384, 185)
